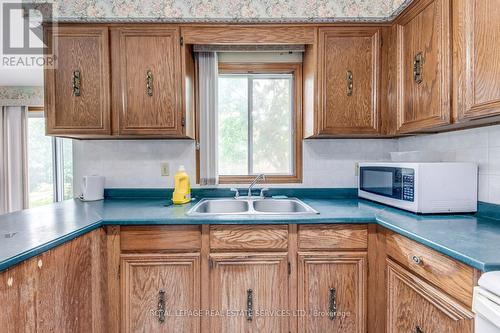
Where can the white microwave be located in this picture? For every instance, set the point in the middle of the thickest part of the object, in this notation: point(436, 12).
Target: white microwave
point(441, 187)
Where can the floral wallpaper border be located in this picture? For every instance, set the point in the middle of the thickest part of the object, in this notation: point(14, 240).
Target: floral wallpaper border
point(227, 11)
point(21, 96)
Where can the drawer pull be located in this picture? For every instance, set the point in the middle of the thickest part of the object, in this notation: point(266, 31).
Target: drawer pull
point(161, 306)
point(149, 83)
point(417, 330)
point(417, 260)
point(249, 304)
point(350, 85)
point(77, 82)
point(332, 304)
point(418, 63)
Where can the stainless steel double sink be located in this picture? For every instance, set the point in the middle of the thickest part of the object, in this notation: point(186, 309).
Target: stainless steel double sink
point(251, 206)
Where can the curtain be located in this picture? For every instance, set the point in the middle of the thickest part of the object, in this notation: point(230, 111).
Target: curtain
point(13, 158)
point(208, 80)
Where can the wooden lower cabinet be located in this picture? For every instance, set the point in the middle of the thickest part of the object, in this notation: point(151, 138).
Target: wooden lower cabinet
point(61, 290)
point(332, 292)
point(414, 305)
point(160, 292)
point(249, 292)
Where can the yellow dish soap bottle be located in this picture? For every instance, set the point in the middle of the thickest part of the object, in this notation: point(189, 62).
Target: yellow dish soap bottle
point(182, 188)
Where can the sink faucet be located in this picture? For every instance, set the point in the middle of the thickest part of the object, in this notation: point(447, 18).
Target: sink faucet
point(260, 176)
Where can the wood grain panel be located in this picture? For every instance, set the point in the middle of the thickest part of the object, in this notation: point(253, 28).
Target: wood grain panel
point(139, 50)
point(84, 49)
point(249, 34)
point(231, 276)
point(144, 276)
point(18, 287)
point(424, 29)
point(332, 236)
point(376, 294)
point(246, 237)
point(453, 277)
point(355, 50)
point(160, 238)
point(414, 303)
point(113, 277)
point(476, 65)
point(344, 271)
point(72, 286)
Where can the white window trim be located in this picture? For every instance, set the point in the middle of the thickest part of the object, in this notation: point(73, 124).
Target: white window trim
point(57, 162)
point(250, 78)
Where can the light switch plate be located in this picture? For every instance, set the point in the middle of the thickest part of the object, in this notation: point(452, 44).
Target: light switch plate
point(165, 169)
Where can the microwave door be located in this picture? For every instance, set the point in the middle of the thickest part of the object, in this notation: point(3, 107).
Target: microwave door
point(384, 181)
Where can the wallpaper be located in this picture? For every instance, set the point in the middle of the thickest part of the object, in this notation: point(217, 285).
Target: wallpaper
point(21, 96)
point(228, 10)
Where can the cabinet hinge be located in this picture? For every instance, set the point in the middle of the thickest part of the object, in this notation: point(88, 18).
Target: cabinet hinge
point(119, 270)
point(381, 41)
point(182, 41)
point(183, 121)
point(289, 268)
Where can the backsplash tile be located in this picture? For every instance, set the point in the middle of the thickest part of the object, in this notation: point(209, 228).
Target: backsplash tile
point(327, 163)
point(480, 145)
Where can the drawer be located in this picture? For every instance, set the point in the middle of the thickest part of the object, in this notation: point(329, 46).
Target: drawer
point(160, 238)
point(453, 277)
point(333, 236)
point(249, 237)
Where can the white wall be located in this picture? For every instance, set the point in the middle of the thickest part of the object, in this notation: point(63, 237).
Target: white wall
point(327, 163)
point(481, 145)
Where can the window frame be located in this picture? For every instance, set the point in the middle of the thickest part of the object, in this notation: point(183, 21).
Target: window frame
point(295, 69)
point(57, 158)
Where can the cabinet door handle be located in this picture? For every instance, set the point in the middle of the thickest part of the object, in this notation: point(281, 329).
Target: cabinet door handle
point(332, 304)
point(149, 82)
point(417, 330)
point(249, 304)
point(77, 82)
point(161, 306)
point(418, 64)
point(349, 83)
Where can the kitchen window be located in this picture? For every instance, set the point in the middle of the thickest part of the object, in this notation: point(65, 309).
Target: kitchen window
point(50, 163)
point(259, 122)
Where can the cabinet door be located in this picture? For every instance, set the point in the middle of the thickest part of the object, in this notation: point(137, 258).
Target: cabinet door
point(248, 292)
point(148, 81)
point(71, 290)
point(18, 287)
point(476, 62)
point(416, 306)
point(424, 66)
point(348, 71)
point(77, 90)
point(160, 292)
point(332, 292)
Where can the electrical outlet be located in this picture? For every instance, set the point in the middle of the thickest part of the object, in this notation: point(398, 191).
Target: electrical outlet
point(356, 169)
point(165, 169)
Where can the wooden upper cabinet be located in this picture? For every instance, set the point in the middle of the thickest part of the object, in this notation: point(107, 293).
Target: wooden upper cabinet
point(157, 289)
point(413, 305)
point(348, 62)
point(332, 292)
point(147, 81)
point(423, 46)
point(476, 42)
point(77, 90)
point(244, 287)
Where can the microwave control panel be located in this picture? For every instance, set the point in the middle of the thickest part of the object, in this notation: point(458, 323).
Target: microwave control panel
point(408, 176)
